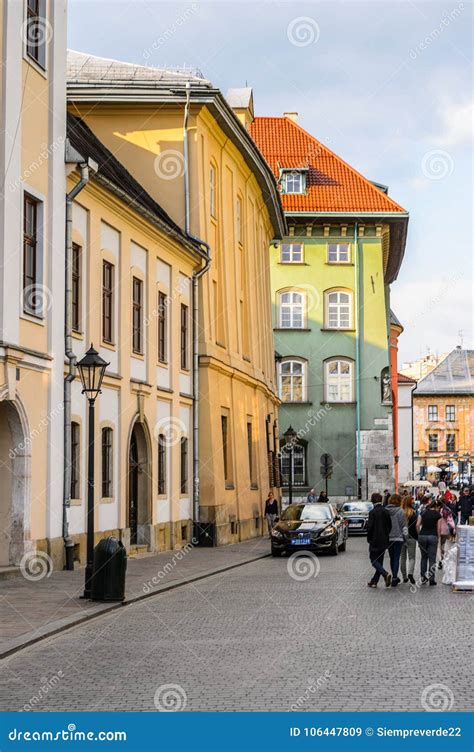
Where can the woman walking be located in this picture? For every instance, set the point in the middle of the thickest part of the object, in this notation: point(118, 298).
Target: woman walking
point(271, 511)
point(446, 529)
point(427, 526)
point(398, 534)
point(409, 546)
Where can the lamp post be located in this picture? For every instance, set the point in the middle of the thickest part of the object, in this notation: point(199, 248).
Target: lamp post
point(290, 436)
point(91, 369)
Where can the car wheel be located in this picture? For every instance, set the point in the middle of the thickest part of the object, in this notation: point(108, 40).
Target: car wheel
point(334, 548)
point(342, 547)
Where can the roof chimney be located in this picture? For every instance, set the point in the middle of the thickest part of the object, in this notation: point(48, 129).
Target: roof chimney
point(292, 116)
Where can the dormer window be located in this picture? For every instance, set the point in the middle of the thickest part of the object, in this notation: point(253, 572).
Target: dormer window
point(293, 181)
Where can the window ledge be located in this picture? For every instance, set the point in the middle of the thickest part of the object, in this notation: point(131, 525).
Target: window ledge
point(291, 329)
point(298, 402)
point(339, 263)
point(229, 487)
point(336, 329)
point(107, 499)
point(327, 402)
point(254, 486)
point(293, 263)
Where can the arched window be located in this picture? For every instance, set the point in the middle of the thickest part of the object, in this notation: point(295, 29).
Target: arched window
point(338, 309)
point(339, 380)
point(292, 381)
point(291, 306)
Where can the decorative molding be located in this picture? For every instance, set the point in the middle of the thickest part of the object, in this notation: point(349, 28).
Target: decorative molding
point(326, 230)
point(344, 231)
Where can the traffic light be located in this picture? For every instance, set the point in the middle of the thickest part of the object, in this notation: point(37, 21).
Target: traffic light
point(326, 466)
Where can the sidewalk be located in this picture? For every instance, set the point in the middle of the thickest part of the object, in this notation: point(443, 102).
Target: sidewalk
point(31, 611)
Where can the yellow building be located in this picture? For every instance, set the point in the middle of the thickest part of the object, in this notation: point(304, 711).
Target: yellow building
point(443, 418)
point(132, 269)
point(191, 152)
point(32, 140)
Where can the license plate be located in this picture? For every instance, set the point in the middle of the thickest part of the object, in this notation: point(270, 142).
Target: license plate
point(299, 541)
point(356, 524)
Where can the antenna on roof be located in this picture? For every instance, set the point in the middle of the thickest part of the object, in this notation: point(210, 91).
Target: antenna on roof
point(461, 339)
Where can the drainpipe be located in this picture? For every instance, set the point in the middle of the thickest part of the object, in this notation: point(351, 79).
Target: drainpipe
point(357, 325)
point(195, 324)
point(71, 366)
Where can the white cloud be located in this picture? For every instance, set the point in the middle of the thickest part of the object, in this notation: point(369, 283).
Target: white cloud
point(456, 124)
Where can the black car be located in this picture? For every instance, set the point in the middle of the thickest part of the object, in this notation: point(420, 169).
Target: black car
point(357, 515)
point(316, 527)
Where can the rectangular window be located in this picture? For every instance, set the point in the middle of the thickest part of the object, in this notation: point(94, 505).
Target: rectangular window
point(250, 451)
point(339, 253)
point(293, 182)
point(433, 442)
point(297, 455)
point(32, 298)
point(75, 460)
point(225, 446)
point(137, 315)
point(161, 463)
point(184, 337)
point(107, 462)
point(35, 31)
point(184, 465)
point(291, 253)
point(162, 327)
point(450, 412)
point(76, 287)
point(432, 412)
point(107, 302)
point(450, 442)
point(212, 191)
point(238, 218)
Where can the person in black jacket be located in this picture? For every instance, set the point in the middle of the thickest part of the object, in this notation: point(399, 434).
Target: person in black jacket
point(378, 529)
point(271, 511)
point(465, 505)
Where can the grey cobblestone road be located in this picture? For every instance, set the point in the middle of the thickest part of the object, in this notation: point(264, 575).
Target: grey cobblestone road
point(257, 639)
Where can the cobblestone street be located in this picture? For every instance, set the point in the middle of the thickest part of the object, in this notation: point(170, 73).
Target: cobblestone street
point(255, 638)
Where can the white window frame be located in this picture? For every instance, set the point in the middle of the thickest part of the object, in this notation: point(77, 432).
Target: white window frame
point(435, 436)
point(292, 362)
point(38, 316)
point(339, 248)
point(330, 306)
point(433, 409)
point(301, 450)
point(294, 308)
point(451, 409)
point(340, 380)
point(291, 175)
point(295, 250)
point(45, 31)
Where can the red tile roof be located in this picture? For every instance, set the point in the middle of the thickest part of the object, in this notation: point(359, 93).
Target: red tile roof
point(402, 379)
point(334, 186)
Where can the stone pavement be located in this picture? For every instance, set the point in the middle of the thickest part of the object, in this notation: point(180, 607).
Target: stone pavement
point(29, 611)
point(261, 638)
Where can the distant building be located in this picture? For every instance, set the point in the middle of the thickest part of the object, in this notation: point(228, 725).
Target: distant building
point(405, 427)
point(417, 369)
point(443, 417)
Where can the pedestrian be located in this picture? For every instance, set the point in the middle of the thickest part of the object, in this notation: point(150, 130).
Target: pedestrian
point(427, 526)
point(453, 505)
point(323, 497)
point(409, 546)
point(465, 505)
point(271, 511)
point(386, 496)
point(442, 486)
point(378, 530)
point(446, 530)
point(398, 534)
point(311, 497)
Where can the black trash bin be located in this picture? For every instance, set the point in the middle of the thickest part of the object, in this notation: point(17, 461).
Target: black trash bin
point(108, 574)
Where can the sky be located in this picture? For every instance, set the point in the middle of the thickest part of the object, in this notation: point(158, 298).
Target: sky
point(386, 85)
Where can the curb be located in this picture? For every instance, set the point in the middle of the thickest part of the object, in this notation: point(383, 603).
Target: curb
point(49, 630)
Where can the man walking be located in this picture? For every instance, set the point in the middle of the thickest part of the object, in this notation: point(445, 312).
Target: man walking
point(378, 530)
point(465, 504)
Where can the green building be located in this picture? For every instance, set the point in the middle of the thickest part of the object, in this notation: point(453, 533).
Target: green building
point(330, 280)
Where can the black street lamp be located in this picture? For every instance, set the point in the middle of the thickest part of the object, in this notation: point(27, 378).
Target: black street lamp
point(290, 436)
point(91, 369)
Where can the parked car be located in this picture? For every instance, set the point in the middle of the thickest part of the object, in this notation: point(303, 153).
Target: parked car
point(316, 527)
point(357, 515)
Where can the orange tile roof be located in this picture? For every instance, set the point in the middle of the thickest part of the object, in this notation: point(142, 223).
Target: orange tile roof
point(402, 379)
point(334, 186)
